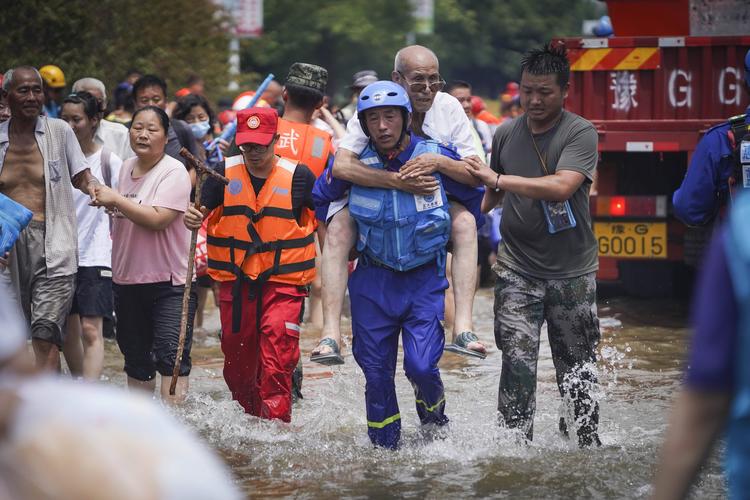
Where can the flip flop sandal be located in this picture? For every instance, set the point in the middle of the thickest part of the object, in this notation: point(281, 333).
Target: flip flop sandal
point(459, 345)
point(329, 358)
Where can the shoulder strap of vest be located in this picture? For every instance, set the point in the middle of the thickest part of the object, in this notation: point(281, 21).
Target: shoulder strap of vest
point(370, 157)
point(231, 161)
point(432, 146)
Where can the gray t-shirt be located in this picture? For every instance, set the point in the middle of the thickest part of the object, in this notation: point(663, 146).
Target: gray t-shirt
point(527, 246)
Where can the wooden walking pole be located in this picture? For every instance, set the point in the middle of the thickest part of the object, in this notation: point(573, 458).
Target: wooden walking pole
point(201, 172)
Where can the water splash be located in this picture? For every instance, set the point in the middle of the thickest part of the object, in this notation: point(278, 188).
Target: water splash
point(325, 450)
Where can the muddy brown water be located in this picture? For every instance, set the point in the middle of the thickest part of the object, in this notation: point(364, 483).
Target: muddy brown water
point(325, 452)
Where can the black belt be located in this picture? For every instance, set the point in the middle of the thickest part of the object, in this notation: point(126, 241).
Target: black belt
point(370, 262)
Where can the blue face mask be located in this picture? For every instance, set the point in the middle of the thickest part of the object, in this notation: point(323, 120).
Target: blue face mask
point(200, 129)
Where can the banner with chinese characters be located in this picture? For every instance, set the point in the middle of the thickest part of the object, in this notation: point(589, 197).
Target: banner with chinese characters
point(248, 18)
point(424, 16)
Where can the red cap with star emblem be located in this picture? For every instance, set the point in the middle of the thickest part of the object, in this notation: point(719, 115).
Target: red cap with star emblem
point(256, 125)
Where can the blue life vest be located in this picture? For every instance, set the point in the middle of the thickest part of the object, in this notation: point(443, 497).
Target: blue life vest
point(737, 246)
point(398, 229)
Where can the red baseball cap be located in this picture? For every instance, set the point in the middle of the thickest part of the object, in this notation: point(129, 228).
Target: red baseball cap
point(477, 104)
point(256, 125)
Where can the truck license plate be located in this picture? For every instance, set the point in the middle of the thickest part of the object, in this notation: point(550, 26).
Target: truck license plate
point(637, 240)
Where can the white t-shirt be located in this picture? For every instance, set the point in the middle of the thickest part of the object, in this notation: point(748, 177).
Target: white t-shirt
point(115, 137)
point(445, 121)
point(94, 241)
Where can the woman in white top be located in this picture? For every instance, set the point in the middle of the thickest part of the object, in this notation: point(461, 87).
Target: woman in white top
point(83, 345)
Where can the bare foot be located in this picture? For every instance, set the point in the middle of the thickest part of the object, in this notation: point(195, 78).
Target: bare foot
point(477, 346)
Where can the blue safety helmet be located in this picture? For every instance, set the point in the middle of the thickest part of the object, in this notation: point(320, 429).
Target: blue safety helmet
point(747, 68)
point(379, 94)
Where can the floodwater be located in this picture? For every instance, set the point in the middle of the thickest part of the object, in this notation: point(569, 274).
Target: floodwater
point(325, 451)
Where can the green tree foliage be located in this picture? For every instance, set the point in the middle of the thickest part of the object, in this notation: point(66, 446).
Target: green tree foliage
point(343, 37)
point(480, 41)
point(106, 38)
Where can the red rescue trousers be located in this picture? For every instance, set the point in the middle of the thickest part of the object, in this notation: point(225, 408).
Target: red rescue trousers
point(258, 363)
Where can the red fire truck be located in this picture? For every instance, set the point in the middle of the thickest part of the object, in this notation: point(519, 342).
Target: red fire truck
point(670, 72)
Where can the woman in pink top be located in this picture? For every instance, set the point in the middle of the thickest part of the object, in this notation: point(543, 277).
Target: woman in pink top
point(149, 256)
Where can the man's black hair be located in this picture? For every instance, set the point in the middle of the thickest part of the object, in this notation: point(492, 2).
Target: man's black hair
point(90, 105)
point(303, 97)
point(160, 113)
point(123, 98)
point(550, 59)
point(149, 81)
point(458, 84)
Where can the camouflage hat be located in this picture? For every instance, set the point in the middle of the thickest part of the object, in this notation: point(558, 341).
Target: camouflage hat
point(308, 75)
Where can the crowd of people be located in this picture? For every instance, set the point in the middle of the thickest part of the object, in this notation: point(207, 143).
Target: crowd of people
point(400, 197)
point(396, 185)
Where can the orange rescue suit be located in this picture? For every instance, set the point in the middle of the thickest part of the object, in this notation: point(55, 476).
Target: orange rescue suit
point(257, 237)
point(305, 143)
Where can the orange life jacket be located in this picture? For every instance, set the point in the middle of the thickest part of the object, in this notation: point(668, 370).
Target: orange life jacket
point(488, 117)
point(305, 143)
point(257, 238)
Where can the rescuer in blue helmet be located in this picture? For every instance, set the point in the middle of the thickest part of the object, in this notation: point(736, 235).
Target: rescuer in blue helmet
point(715, 174)
point(399, 283)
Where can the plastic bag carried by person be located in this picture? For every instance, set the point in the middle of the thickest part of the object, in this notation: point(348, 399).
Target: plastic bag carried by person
point(14, 217)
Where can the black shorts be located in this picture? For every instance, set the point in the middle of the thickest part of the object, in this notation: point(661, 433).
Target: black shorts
point(93, 294)
point(148, 328)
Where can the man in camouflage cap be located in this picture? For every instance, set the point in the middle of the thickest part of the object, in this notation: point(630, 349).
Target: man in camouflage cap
point(299, 139)
point(308, 75)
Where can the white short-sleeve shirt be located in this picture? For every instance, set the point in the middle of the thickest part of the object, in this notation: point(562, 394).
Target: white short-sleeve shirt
point(94, 241)
point(445, 121)
point(116, 137)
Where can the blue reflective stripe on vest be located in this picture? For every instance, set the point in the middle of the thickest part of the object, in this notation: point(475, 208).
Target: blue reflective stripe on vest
point(398, 229)
point(737, 247)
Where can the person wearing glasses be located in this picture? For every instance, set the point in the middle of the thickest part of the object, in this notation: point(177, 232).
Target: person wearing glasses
point(261, 249)
point(435, 115)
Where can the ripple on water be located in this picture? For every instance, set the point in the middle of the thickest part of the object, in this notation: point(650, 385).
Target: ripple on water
point(325, 450)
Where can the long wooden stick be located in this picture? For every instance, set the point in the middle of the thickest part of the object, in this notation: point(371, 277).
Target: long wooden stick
point(201, 173)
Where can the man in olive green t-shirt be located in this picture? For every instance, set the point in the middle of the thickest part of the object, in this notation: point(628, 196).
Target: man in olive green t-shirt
point(544, 162)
